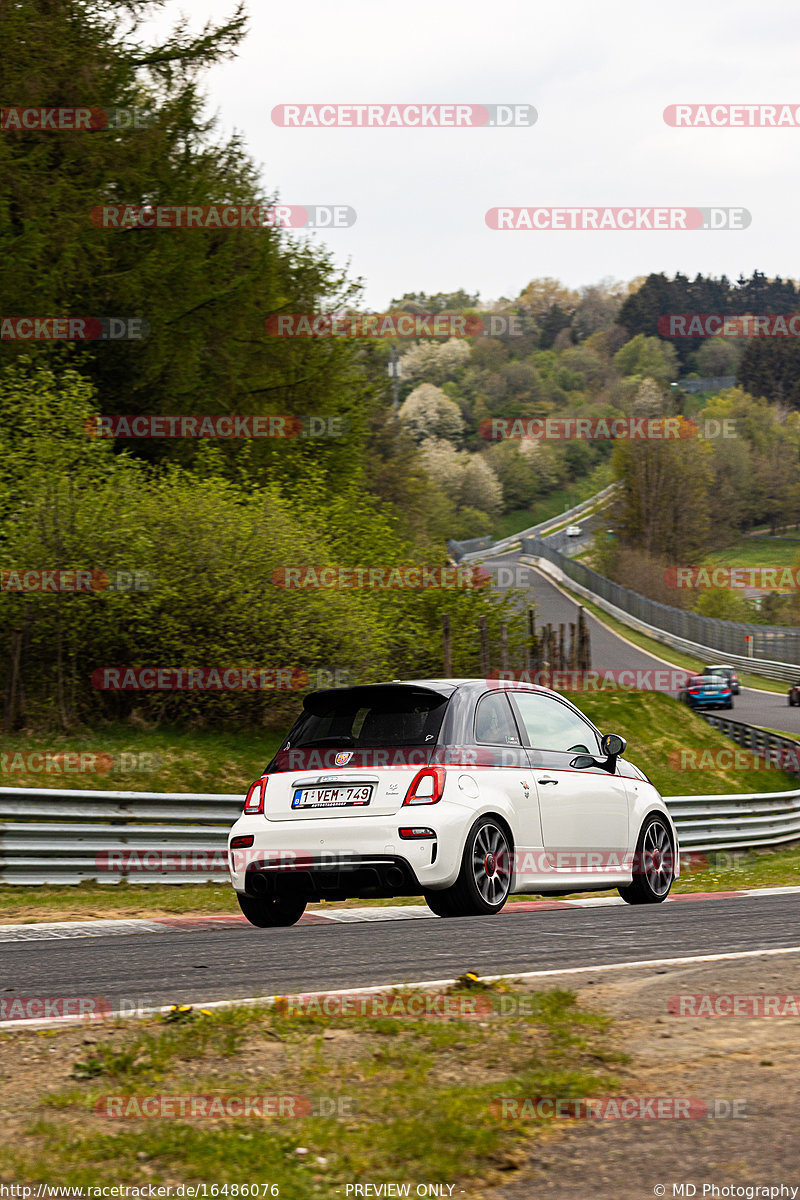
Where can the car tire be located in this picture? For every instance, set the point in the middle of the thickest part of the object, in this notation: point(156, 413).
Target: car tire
point(729, 705)
point(439, 903)
point(484, 881)
point(268, 912)
point(654, 864)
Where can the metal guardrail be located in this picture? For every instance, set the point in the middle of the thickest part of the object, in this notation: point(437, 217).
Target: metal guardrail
point(775, 648)
point(480, 547)
point(709, 383)
point(735, 822)
point(774, 748)
point(49, 836)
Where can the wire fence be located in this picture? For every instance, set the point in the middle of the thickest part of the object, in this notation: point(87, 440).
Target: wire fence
point(731, 639)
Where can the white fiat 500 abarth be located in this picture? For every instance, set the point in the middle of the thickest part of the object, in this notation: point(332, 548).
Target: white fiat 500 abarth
point(461, 790)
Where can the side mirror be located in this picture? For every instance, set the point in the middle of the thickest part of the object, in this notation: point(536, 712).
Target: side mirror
point(583, 762)
point(612, 745)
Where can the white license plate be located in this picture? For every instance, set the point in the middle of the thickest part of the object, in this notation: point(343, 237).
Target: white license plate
point(342, 796)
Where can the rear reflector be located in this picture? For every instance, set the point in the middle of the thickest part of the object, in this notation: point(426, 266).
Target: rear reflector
point(242, 841)
point(416, 832)
point(254, 800)
point(426, 787)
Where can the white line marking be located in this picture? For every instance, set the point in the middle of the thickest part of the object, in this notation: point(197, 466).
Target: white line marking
point(420, 985)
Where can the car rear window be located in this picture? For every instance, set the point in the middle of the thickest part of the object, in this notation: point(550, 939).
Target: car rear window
point(370, 717)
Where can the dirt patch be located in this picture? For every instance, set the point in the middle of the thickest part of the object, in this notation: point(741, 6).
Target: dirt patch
point(721, 1059)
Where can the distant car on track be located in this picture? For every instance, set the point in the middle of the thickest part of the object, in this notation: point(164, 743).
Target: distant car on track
point(707, 691)
point(728, 673)
point(573, 531)
point(462, 790)
point(794, 694)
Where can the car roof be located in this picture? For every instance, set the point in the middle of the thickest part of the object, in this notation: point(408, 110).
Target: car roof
point(443, 687)
point(489, 683)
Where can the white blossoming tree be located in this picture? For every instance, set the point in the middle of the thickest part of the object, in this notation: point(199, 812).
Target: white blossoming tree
point(429, 413)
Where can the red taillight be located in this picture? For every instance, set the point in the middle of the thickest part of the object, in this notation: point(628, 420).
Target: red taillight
point(242, 841)
point(426, 787)
point(254, 800)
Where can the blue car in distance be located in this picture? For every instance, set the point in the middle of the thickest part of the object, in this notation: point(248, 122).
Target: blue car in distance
point(707, 691)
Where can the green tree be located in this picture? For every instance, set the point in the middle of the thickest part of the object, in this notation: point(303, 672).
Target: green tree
point(643, 356)
point(663, 502)
point(204, 292)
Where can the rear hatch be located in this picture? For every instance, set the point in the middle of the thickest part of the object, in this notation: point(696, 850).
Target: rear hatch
point(709, 687)
point(354, 752)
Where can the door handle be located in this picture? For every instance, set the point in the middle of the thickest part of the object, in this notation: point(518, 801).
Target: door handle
point(547, 781)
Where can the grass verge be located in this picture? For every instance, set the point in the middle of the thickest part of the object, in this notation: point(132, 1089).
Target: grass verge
point(756, 551)
point(392, 1097)
point(554, 504)
point(119, 757)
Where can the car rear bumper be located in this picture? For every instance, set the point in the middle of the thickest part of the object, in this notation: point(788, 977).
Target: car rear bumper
point(338, 858)
point(335, 878)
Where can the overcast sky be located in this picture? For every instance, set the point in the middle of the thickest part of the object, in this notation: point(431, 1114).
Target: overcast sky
point(599, 75)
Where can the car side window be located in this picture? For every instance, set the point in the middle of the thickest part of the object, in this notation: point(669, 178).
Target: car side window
point(494, 721)
point(551, 725)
